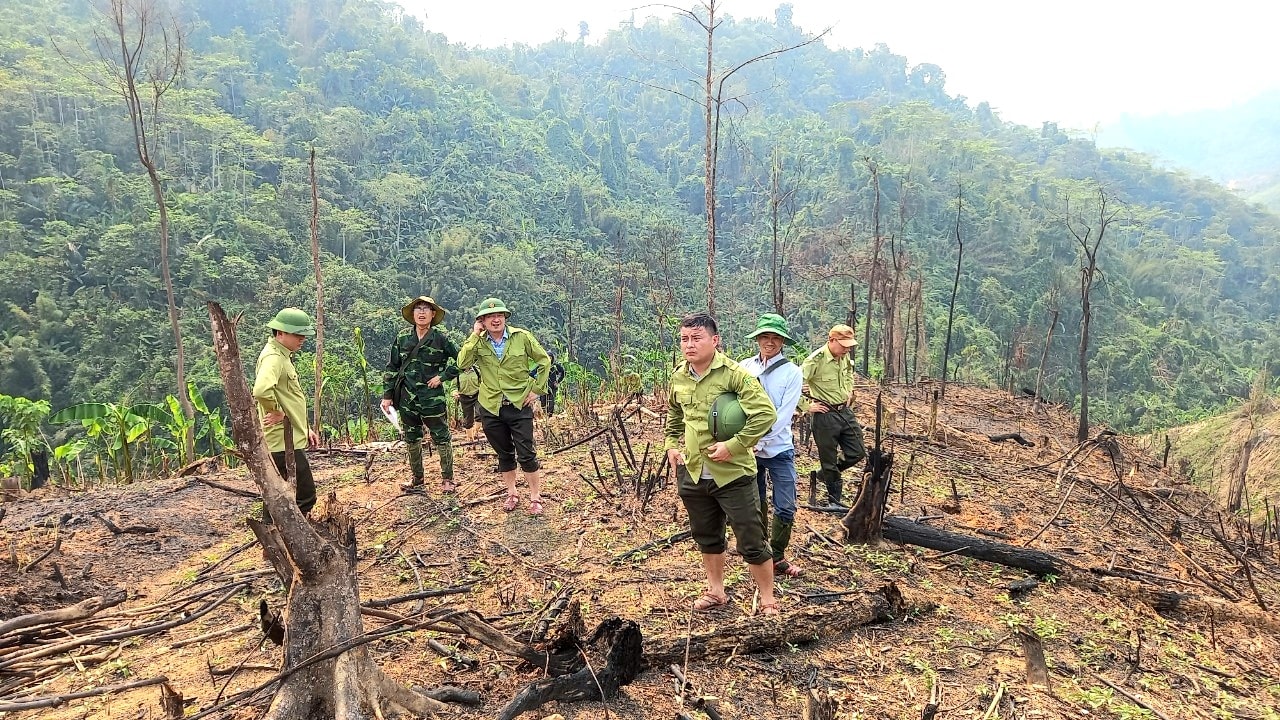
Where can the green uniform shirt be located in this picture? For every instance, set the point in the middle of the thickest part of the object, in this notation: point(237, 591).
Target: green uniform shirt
point(830, 380)
point(689, 408)
point(469, 381)
point(523, 368)
point(276, 387)
point(436, 355)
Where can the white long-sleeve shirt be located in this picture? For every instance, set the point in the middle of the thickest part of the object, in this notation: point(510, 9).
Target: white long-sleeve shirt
point(782, 385)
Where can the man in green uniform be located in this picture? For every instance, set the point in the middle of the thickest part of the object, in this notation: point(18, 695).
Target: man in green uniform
point(513, 373)
point(466, 394)
point(828, 383)
point(422, 360)
point(280, 399)
point(717, 478)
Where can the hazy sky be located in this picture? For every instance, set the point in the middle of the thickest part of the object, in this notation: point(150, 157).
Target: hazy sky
point(1077, 63)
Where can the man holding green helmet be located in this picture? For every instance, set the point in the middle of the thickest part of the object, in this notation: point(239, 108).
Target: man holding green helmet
point(281, 404)
point(513, 373)
point(715, 414)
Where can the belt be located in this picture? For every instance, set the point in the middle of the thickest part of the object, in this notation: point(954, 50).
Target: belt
point(506, 402)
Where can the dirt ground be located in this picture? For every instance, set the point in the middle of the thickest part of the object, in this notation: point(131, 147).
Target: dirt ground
point(1107, 509)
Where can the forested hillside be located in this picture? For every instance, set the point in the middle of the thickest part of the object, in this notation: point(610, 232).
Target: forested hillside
point(1238, 146)
point(568, 180)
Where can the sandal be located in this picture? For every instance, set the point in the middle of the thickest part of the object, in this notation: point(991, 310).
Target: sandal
point(769, 609)
point(782, 568)
point(513, 501)
point(448, 486)
point(535, 507)
point(709, 601)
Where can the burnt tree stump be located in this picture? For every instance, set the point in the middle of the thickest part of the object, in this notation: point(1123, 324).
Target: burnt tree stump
point(862, 522)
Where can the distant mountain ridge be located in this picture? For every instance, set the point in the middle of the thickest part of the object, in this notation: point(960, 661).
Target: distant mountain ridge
point(1237, 146)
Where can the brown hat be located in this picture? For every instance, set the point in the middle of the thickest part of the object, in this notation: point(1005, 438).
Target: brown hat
point(406, 312)
point(842, 334)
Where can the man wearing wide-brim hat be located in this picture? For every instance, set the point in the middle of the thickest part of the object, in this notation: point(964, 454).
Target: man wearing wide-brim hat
point(513, 373)
point(828, 383)
point(281, 404)
point(775, 452)
point(422, 359)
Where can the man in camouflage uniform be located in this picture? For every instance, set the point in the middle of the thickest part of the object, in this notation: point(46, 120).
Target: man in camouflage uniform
point(422, 360)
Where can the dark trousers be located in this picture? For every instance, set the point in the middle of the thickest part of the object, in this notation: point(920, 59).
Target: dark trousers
point(712, 506)
point(468, 405)
point(839, 439)
point(305, 486)
point(510, 434)
point(549, 400)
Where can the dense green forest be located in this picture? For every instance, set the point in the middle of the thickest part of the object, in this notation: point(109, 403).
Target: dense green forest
point(1238, 146)
point(567, 179)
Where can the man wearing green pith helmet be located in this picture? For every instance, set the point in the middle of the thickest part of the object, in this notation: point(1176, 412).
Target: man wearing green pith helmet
point(715, 414)
point(513, 370)
point(422, 359)
point(281, 404)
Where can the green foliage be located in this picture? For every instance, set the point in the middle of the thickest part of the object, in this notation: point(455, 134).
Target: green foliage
point(564, 179)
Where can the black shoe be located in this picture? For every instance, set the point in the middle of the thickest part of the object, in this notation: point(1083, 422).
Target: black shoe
point(837, 505)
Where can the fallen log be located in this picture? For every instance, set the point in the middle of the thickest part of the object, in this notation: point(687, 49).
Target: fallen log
point(795, 627)
point(118, 530)
point(55, 700)
point(79, 611)
point(1036, 562)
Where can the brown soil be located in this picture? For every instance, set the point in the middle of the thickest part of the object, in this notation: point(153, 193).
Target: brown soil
point(961, 638)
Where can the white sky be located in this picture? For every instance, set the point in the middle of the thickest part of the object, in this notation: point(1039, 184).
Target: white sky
point(1077, 63)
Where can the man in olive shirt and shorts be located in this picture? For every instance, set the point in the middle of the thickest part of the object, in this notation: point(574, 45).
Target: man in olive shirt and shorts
point(828, 384)
point(281, 404)
point(717, 477)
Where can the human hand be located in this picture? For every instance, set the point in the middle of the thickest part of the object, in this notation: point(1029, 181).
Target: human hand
point(718, 452)
point(477, 328)
point(817, 407)
point(313, 440)
point(275, 417)
point(675, 458)
point(434, 382)
point(386, 405)
point(530, 399)
point(456, 394)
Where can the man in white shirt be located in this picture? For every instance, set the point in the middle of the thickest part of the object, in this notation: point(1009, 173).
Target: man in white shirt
point(775, 453)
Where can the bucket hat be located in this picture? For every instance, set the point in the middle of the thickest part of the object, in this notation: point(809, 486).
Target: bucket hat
point(406, 312)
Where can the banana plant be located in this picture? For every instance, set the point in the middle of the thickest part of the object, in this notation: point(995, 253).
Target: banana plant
point(116, 425)
point(21, 436)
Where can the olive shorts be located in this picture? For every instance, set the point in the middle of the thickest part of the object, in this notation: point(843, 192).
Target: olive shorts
point(712, 506)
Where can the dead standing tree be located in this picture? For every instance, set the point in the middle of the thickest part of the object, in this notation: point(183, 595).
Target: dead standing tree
point(712, 102)
point(1089, 238)
point(327, 670)
point(315, 262)
point(955, 285)
point(876, 242)
point(142, 55)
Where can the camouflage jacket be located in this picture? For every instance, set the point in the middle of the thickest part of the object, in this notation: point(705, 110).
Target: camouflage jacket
point(407, 373)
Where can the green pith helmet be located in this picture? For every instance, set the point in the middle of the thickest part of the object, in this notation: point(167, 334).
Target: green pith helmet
point(726, 418)
point(771, 323)
point(491, 306)
point(406, 312)
point(293, 321)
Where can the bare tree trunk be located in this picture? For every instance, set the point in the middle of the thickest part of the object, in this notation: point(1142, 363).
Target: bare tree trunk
point(317, 561)
point(955, 285)
point(141, 49)
point(876, 240)
point(315, 262)
point(1048, 339)
point(1089, 239)
point(710, 151)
